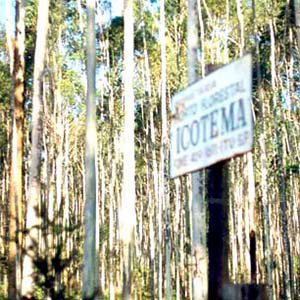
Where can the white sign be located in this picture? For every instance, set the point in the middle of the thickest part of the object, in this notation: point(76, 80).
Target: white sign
point(212, 119)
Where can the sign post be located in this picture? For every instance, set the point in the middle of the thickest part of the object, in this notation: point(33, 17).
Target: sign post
point(218, 233)
point(212, 122)
point(212, 119)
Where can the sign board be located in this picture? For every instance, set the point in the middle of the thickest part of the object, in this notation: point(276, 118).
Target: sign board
point(212, 119)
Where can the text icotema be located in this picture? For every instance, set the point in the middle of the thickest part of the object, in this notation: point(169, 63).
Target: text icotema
point(217, 123)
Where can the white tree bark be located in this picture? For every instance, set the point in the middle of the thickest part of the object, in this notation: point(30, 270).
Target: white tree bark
point(163, 183)
point(127, 214)
point(241, 25)
point(32, 214)
point(200, 258)
point(90, 259)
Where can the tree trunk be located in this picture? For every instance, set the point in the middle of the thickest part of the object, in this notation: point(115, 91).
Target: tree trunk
point(241, 25)
point(287, 259)
point(199, 252)
point(263, 167)
point(90, 260)
point(164, 190)
point(16, 182)
point(32, 214)
point(127, 214)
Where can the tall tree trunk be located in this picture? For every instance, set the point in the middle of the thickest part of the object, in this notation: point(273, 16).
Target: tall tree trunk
point(249, 201)
point(177, 236)
point(16, 183)
point(200, 272)
point(263, 165)
point(90, 264)
point(153, 192)
point(202, 37)
point(127, 216)
point(287, 259)
point(241, 26)
point(163, 190)
point(32, 217)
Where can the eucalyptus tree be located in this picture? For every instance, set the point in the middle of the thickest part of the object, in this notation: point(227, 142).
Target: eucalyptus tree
point(161, 240)
point(16, 168)
point(200, 272)
point(164, 197)
point(5, 125)
point(127, 213)
point(90, 260)
point(33, 201)
point(263, 158)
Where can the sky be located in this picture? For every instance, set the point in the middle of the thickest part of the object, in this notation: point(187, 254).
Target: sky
point(2, 11)
point(117, 6)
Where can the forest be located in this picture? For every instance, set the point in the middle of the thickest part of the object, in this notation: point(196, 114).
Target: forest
point(88, 209)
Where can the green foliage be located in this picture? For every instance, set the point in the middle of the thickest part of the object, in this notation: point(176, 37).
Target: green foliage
point(142, 275)
point(176, 21)
point(4, 72)
point(54, 265)
point(3, 295)
point(116, 40)
point(5, 92)
point(30, 38)
point(293, 169)
point(72, 37)
point(72, 90)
